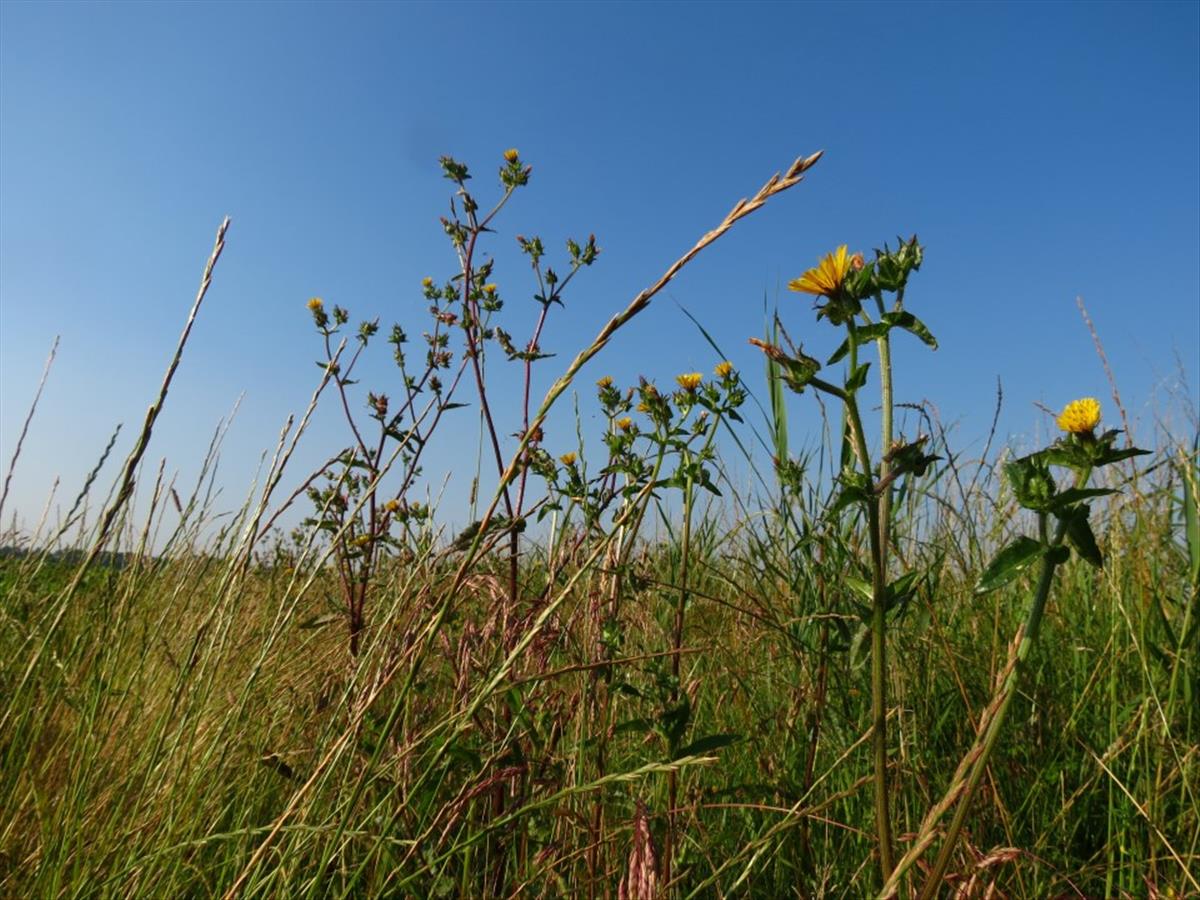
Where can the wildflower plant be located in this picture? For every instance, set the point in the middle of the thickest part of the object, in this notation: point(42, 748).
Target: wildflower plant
point(362, 523)
point(479, 301)
point(1063, 518)
point(850, 294)
point(667, 444)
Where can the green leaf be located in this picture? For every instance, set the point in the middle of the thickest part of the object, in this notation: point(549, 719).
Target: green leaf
point(857, 378)
point(860, 646)
point(911, 324)
point(1008, 564)
point(1112, 455)
point(864, 333)
point(860, 587)
point(1058, 555)
point(1071, 496)
point(848, 496)
point(707, 744)
point(1079, 533)
point(902, 589)
point(1031, 482)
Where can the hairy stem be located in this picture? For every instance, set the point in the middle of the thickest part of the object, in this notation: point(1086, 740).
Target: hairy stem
point(883, 822)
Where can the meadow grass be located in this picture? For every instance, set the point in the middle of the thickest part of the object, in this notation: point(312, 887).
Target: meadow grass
point(185, 718)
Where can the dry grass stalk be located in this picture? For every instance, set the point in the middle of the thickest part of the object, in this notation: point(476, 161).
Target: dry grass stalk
point(928, 832)
point(640, 882)
point(25, 427)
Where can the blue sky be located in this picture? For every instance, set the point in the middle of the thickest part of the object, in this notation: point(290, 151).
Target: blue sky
point(1040, 151)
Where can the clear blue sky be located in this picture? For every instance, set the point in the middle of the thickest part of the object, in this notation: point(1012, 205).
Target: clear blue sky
point(1040, 151)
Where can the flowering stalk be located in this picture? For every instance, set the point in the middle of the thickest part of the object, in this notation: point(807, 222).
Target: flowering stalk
point(883, 821)
point(843, 281)
point(686, 397)
point(1081, 451)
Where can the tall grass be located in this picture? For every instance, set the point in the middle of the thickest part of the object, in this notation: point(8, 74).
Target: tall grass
point(189, 722)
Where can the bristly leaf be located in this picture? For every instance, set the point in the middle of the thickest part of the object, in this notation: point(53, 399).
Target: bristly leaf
point(857, 378)
point(1008, 564)
point(863, 334)
point(912, 325)
point(1071, 496)
point(1079, 533)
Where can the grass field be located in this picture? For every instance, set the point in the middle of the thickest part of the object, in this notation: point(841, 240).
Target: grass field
point(650, 697)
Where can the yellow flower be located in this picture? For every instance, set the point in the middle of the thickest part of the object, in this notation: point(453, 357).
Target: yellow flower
point(826, 279)
point(567, 459)
point(605, 382)
point(315, 303)
point(392, 505)
point(625, 423)
point(1080, 416)
point(511, 155)
point(689, 381)
point(427, 282)
point(723, 369)
point(489, 289)
point(643, 407)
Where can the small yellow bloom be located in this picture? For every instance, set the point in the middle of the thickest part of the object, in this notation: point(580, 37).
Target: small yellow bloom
point(511, 155)
point(1080, 416)
point(625, 423)
point(489, 289)
point(826, 279)
point(427, 282)
point(567, 459)
point(723, 369)
point(392, 505)
point(689, 381)
point(643, 407)
point(605, 382)
point(315, 303)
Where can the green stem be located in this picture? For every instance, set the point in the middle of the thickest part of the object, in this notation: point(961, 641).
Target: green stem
point(883, 821)
point(677, 636)
point(888, 403)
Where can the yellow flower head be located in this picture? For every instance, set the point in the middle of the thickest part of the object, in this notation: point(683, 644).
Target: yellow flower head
point(605, 382)
point(489, 289)
point(723, 369)
point(625, 423)
point(427, 282)
point(392, 505)
point(315, 303)
point(567, 459)
point(689, 381)
point(826, 279)
point(1080, 416)
point(643, 407)
point(512, 155)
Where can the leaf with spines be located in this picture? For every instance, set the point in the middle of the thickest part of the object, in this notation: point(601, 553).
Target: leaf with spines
point(1079, 534)
point(1009, 563)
